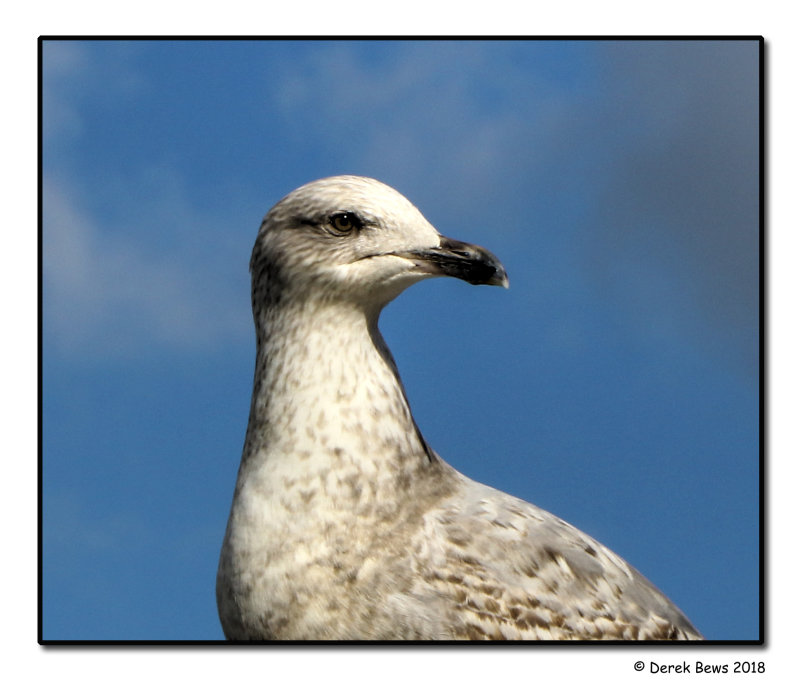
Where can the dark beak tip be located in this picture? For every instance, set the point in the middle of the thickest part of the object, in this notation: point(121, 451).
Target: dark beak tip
point(499, 278)
point(498, 275)
point(472, 263)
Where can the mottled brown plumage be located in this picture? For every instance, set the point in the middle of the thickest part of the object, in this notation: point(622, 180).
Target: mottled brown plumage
point(345, 524)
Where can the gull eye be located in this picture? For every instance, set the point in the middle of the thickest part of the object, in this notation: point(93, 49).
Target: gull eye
point(344, 222)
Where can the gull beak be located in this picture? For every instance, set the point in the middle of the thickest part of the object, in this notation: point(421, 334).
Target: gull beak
point(463, 260)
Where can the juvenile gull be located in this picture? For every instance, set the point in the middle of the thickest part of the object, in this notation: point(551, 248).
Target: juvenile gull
point(345, 524)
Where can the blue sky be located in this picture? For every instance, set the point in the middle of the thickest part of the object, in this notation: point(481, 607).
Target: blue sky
point(615, 383)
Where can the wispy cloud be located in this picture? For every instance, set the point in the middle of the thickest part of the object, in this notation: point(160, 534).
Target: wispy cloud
point(69, 74)
point(109, 288)
point(432, 117)
point(109, 295)
point(62, 63)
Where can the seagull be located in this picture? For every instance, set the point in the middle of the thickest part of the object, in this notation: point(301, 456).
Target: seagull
point(345, 524)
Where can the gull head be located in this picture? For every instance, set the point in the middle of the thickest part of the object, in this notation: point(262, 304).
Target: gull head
point(354, 239)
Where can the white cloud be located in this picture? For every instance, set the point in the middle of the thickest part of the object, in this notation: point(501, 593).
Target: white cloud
point(110, 288)
point(106, 294)
point(62, 64)
point(69, 74)
point(433, 117)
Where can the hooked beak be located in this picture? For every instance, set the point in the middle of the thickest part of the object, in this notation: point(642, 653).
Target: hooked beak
point(463, 260)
